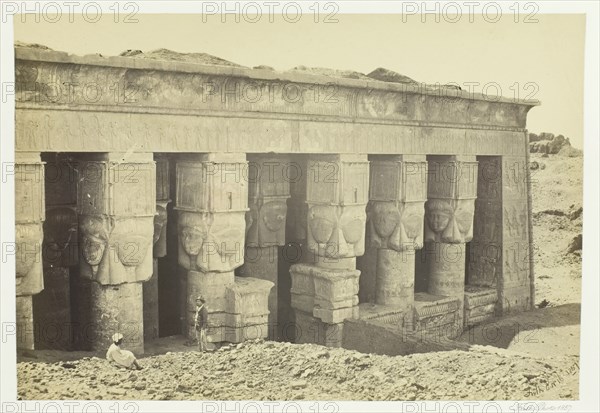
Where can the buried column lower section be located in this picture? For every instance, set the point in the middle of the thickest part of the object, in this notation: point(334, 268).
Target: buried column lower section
point(395, 278)
point(446, 265)
point(213, 287)
point(25, 336)
point(117, 308)
point(150, 294)
point(261, 263)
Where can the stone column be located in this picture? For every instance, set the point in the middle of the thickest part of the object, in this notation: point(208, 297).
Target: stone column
point(52, 307)
point(451, 193)
point(150, 288)
point(117, 205)
point(485, 252)
point(29, 217)
point(398, 191)
point(268, 192)
point(325, 289)
point(212, 200)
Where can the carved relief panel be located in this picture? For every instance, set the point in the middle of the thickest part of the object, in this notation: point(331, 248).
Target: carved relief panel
point(29, 216)
point(28, 258)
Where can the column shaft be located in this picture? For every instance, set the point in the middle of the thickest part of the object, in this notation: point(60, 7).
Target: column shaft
point(116, 205)
point(268, 192)
point(212, 200)
point(325, 289)
point(397, 193)
point(29, 216)
point(452, 190)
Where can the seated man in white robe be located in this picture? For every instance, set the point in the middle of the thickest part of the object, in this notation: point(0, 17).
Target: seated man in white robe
point(123, 358)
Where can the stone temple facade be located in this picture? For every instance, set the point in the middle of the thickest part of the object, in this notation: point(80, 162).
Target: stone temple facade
point(299, 204)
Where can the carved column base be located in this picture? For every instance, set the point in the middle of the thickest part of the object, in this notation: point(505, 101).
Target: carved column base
point(25, 336)
point(446, 266)
point(117, 308)
point(52, 310)
point(150, 294)
point(323, 298)
point(395, 278)
point(247, 314)
point(261, 263)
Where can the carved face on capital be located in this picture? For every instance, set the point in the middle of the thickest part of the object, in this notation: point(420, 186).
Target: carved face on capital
point(273, 214)
point(94, 239)
point(193, 231)
point(224, 248)
point(439, 213)
point(132, 239)
point(336, 231)
point(395, 226)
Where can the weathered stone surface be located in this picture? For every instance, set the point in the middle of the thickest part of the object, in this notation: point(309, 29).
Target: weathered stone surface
point(262, 263)
point(386, 75)
point(28, 258)
point(24, 319)
point(446, 269)
point(29, 216)
point(117, 308)
point(515, 289)
point(335, 315)
point(116, 203)
point(268, 191)
point(115, 251)
point(254, 91)
point(212, 199)
point(249, 296)
point(437, 317)
point(395, 278)
point(312, 330)
point(211, 241)
point(452, 190)
point(328, 295)
point(480, 304)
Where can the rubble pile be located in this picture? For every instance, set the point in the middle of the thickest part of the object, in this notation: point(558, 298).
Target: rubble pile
point(282, 371)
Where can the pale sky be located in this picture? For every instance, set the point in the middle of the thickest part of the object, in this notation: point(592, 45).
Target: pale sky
point(549, 53)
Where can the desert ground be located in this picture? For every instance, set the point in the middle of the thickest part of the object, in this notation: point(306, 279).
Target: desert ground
point(533, 355)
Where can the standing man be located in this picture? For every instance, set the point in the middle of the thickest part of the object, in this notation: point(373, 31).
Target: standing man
point(201, 323)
